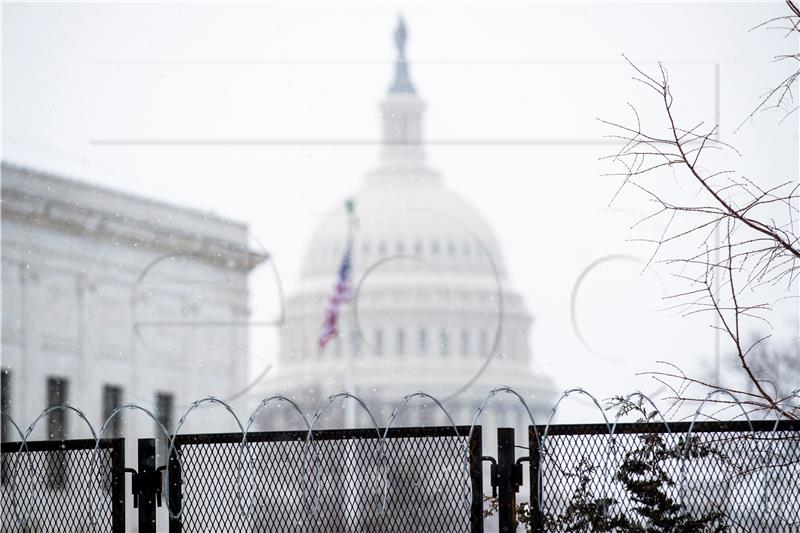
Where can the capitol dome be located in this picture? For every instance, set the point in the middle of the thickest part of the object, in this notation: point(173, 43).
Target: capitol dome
point(401, 216)
point(430, 306)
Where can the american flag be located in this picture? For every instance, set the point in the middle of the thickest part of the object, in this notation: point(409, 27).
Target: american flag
point(341, 294)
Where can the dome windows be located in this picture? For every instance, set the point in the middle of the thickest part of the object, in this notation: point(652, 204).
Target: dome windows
point(436, 248)
point(455, 252)
point(445, 249)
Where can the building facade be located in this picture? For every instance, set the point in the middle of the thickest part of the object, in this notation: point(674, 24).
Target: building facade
point(110, 298)
point(431, 307)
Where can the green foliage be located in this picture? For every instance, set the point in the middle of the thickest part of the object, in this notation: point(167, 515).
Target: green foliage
point(648, 486)
point(585, 512)
point(491, 506)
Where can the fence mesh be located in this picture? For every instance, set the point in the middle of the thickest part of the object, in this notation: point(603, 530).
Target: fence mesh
point(733, 479)
point(45, 488)
point(430, 485)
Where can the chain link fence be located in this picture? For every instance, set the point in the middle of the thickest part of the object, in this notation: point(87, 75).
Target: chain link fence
point(55, 486)
point(337, 481)
point(720, 477)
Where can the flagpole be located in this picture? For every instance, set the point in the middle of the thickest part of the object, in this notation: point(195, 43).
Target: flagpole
point(353, 481)
point(350, 381)
point(342, 293)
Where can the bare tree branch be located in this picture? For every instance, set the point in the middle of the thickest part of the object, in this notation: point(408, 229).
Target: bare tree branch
point(742, 247)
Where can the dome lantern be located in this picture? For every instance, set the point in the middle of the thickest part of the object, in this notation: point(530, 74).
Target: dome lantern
point(401, 113)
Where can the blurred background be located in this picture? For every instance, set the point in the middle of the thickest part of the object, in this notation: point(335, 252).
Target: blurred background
point(175, 179)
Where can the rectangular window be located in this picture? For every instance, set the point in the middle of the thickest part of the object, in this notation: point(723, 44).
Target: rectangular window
point(57, 471)
point(378, 342)
point(5, 405)
point(164, 405)
point(57, 420)
point(423, 342)
point(401, 341)
point(355, 342)
point(112, 398)
point(464, 343)
point(484, 344)
point(337, 346)
point(445, 342)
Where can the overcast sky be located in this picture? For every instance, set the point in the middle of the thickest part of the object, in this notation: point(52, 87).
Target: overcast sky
point(78, 76)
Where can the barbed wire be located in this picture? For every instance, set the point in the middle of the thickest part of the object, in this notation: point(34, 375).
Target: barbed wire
point(311, 503)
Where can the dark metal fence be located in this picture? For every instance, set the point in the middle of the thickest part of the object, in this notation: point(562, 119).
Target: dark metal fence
point(721, 476)
point(725, 474)
point(333, 483)
point(55, 486)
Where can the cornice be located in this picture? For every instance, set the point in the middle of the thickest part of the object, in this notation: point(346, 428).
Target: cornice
point(84, 221)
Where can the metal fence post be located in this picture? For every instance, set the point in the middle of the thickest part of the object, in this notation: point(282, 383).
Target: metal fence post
point(175, 501)
point(476, 476)
point(506, 480)
point(145, 485)
point(537, 524)
point(118, 486)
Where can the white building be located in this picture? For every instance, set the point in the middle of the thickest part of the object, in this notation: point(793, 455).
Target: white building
point(110, 298)
point(432, 308)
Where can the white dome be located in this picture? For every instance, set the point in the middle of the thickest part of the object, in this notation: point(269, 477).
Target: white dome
point(396, 218)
